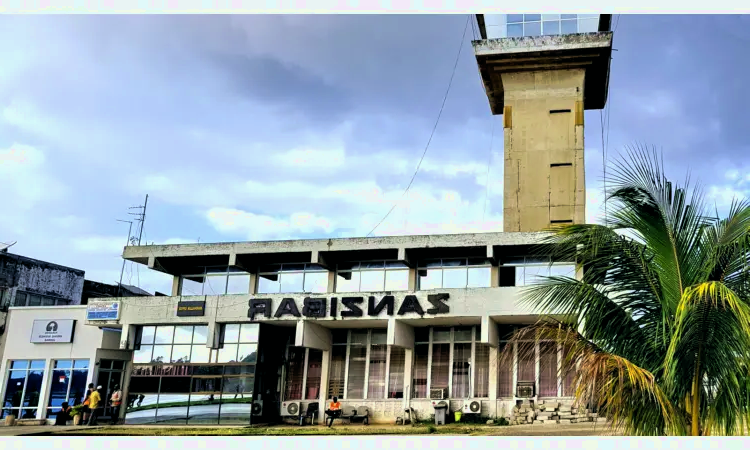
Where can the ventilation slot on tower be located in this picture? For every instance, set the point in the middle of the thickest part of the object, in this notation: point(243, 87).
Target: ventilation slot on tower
point(561, 164)
point(560, 221)
point(558, 111)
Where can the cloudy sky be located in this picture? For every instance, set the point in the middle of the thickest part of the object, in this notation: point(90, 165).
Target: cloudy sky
point(273, 127)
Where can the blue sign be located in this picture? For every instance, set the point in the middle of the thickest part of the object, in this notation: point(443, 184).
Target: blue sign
point(103, 311)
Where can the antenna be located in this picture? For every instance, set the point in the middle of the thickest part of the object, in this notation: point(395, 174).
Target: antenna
point(4, 247)
point(140, 219)
point(122, 271)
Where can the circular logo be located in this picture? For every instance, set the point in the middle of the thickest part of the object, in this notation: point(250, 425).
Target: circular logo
point(52, 327)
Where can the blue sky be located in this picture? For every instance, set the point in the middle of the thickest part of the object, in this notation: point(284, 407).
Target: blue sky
point(272, 127)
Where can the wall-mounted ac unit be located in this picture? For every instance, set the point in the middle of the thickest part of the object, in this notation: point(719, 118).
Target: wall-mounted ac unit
point(258, 408)
point(291, 409)
point(525, 389)
point(472, 406)
point(438, 394)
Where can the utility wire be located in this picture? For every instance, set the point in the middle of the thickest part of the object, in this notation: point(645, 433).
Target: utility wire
point(432, 134)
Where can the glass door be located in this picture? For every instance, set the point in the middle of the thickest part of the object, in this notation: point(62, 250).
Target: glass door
point(109, 376)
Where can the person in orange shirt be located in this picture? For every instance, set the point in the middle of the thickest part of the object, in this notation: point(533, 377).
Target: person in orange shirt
point(333, 411)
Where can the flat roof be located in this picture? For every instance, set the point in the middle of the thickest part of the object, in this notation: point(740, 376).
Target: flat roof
point(181, 258)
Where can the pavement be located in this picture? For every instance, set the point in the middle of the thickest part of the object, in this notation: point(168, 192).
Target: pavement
point(587, 429)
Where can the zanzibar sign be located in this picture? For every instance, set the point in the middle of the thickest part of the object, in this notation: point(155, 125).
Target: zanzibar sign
point(349, 307)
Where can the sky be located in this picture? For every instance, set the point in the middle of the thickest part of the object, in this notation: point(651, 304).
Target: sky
point(275, 127)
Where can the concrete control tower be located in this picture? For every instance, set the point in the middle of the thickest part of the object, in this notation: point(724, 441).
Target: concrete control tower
point(541, 71)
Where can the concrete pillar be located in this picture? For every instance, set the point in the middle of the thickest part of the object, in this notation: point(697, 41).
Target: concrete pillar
point(494, 369)
point(408, 377)
point(413, 279)
point(489, 332)
point(331, 282)
point(399, 334)
point(543, 131)
point(127, 336)
point(125, 387)
point(176, 285)
point(325, 369)
point(312, 335)
point(253, 288)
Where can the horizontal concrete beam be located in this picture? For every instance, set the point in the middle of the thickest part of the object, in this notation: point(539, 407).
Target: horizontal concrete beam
point(528, 44)
point(143, 253)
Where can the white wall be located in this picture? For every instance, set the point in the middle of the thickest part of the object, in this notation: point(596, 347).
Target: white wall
point(86, 341)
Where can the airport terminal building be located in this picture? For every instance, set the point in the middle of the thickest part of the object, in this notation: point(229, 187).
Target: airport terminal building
point(256, 331)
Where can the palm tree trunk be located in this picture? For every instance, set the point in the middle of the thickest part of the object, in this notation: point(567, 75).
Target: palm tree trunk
point(695, 410)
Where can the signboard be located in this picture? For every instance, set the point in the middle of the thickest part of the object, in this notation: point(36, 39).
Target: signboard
point(191, 309)
point(103, 311)
point(349, 307)
point(52, 331)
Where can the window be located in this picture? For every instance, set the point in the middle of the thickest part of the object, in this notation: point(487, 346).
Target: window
point(547, 369)
point(377, 360)
point(396, 375)
point(527, 363)
point(294, 374)
point(28, 299)
point(239, 343)
point(357, 365)
point(518, 25)
point(461, 362)
point(421, 361)
point(528, 270)
point(568, 382)
point(337, 371)
point(482, 371)
point(215, 280)
point(292, 278)
point(372, 276)
point(454, 273)
point(440, 366)
point(172, 344)
point(505, 372)
point(314, 366)
point(22, 389)
point(68, 384)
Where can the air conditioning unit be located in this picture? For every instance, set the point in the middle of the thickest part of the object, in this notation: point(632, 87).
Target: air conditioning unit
point(438, 394)
point(291, 409)
point(525, 389)
point(472, 406)
point(258, 408)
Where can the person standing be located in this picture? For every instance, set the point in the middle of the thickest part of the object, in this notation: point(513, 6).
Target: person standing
point(116, 400)
point(87, 404)
point(94, 400)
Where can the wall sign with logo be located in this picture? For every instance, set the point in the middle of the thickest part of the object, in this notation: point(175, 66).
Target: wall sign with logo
point(191, 309)
point(52, 331)
point(103, 311)
point(348, 307)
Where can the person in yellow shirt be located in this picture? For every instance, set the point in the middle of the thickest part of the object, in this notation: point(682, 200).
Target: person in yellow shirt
point(94, 400)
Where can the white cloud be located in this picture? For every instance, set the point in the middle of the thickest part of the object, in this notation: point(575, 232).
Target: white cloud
point(104, 245)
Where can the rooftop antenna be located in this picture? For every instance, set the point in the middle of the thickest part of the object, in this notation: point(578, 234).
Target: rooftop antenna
point(130, 228)
point(4, 247)
point(140, 219)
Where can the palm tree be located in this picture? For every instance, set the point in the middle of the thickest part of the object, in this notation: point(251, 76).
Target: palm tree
point(658, 328)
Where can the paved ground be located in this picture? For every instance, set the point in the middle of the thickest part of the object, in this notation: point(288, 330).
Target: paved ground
point(587, 429)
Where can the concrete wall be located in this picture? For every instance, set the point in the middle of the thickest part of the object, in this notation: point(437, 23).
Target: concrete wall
point(86, 341)
point(544, 170)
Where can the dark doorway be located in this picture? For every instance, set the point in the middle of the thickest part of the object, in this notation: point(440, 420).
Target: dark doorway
point(272, 349)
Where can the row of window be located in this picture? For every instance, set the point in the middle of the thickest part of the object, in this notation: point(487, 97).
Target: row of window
point(187, 344)
point(29, 299)
point(364, 367)
point(24, 385)
point(518, 25)
point(374, 276)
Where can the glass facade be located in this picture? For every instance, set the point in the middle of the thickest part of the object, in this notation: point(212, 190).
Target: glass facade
point(526, 25)
point(372, 276)
point(292, 278)
point(23, 387)
point(68, 384)
point(458, 273)
point(525, 271)
point(215, 281)
point(216, 387)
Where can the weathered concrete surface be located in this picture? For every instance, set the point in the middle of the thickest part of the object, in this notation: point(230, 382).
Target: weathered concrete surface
point(528, 44)
point(544, 164)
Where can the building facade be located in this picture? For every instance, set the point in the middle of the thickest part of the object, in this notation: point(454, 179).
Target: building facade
point(50, 358)
point(260, 330)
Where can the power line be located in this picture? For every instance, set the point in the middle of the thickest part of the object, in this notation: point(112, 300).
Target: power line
point(432, 134)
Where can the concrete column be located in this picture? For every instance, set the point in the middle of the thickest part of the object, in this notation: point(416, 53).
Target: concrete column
point(127, 336)
point(253, 288)
point(325, 369)
point(312, 335)
point(408, 377)
point(399, 334)
point(489, 332)
point(494, 369)
point(176, 285)
point(214, 335)
point(125, 389)
point(412, 279)
point(331, 282)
